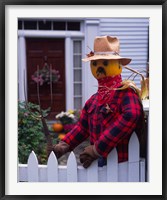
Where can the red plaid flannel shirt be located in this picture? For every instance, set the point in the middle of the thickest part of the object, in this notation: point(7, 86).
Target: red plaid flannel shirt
point(108, 129)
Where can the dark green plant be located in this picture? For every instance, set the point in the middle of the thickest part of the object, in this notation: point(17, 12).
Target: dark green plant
point(30, 133)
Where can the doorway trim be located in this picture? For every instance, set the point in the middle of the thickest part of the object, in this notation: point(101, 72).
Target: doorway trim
point(22, 65)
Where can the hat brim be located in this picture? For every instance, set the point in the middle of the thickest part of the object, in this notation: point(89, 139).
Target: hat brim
point(123, 60)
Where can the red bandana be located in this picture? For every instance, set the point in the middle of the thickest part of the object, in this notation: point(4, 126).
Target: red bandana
point(106, 88)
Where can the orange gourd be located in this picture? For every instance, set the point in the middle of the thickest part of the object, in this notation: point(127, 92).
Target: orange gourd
point(57, 127)
point(61, 136)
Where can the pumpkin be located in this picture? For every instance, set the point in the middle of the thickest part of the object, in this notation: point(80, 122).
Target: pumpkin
point(102, 68)
point(57, 127)
point(61, 136)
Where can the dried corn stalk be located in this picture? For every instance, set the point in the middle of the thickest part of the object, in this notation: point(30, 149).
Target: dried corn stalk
point(129, 84)
point(144, 91)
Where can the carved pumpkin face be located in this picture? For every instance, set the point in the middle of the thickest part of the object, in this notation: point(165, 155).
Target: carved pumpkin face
point(103, 68)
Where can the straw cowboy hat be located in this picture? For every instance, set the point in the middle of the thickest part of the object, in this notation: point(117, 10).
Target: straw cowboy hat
point(106, 47)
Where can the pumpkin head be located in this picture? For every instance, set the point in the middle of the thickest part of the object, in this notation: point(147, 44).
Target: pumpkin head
point(104, 68)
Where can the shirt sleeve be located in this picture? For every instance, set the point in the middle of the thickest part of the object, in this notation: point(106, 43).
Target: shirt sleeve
point(126, 122)
point(80, 132)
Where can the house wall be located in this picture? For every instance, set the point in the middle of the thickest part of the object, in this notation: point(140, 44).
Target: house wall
point(133, 34)
point(134, 42)
point(22, 65)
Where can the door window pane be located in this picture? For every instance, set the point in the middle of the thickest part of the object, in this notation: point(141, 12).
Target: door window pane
point(44, 25)
point(77, 61)
point(78, 103)
point(73, 26)
point(59, 26)
point(77, 67)
point(30, 25)
point(77, 75)
point(77, 47)
point(78, 89)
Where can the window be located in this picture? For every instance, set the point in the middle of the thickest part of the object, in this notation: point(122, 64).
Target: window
point(77, 70)
point(59, 26)
point(19, 24)
point(30, 25)
point(44, 25)
point(48, 25)
point(73, 26)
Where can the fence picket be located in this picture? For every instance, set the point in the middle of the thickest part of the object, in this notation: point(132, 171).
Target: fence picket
point(134, 148)
point(52, 168)
point(72, 168)
point(112, 166)
point(142, 170)
point(92, 172)
point(123, 172)
point(133, 167)
point(131, 171)
point(32, 168)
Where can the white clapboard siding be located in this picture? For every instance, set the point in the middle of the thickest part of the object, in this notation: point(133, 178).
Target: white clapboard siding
point(131, 171)
point(133, 34)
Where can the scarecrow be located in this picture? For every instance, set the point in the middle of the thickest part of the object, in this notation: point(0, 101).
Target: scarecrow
point(109, 116)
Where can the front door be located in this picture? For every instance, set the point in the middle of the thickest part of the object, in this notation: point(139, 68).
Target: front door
point(50, 51)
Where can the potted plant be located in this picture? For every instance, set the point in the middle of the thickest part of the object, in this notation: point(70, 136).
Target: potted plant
point(46, 75)
point(68, 119)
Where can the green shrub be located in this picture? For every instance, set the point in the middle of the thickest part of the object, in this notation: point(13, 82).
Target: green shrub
point(30, 133)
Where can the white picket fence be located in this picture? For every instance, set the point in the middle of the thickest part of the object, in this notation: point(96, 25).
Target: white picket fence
point(131, 171)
